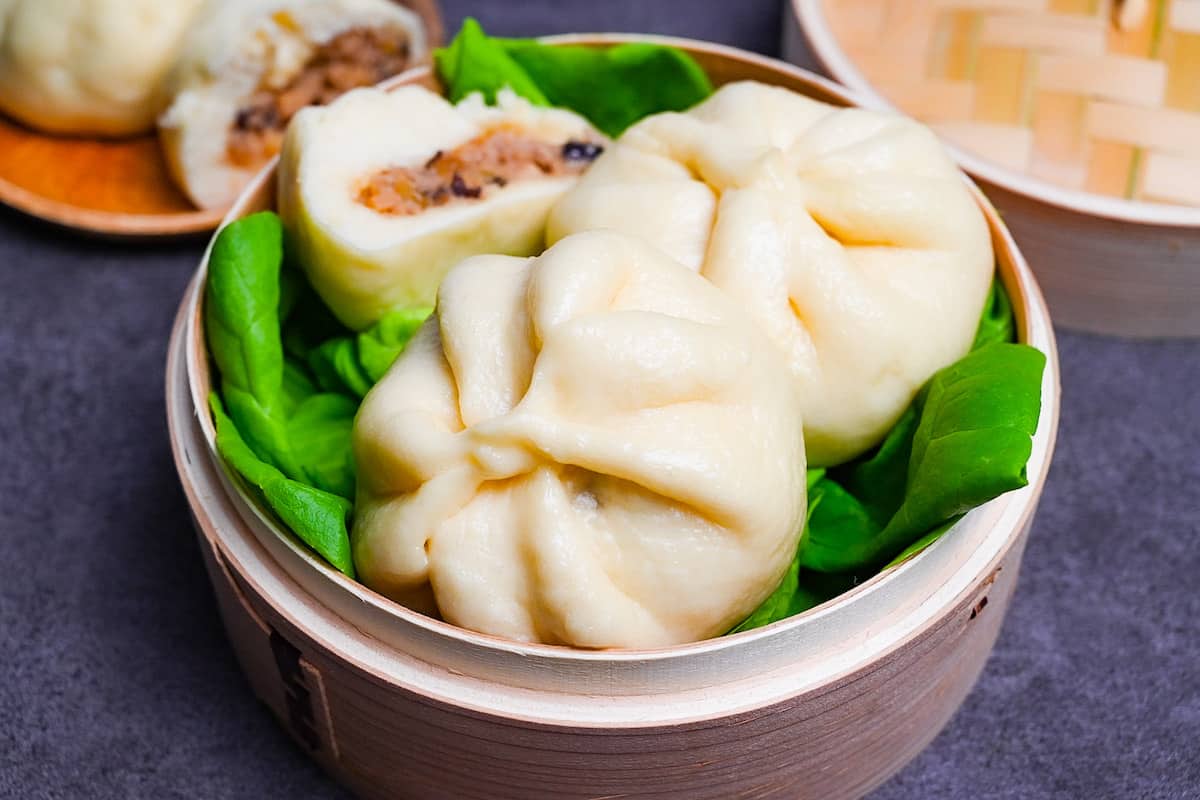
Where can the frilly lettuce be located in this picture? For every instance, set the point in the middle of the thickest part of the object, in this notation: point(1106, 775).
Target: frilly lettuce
point(290, 407)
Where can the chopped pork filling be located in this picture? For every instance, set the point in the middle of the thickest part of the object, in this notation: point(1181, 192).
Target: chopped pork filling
point(358, 57)
point(492, 159)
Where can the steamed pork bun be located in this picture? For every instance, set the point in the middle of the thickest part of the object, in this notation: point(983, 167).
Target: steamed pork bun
point(594, 447)
point(250, 65)
point(848, 234)
point(93, 67)
point(380, 193)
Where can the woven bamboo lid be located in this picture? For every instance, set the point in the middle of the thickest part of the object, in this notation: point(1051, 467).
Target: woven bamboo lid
point(1099, 96)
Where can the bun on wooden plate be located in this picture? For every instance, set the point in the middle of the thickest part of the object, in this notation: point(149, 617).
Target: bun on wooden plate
point(250, 65)
point(89, 67)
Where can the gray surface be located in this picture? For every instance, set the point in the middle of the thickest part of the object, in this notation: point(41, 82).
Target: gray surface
point(116, 682)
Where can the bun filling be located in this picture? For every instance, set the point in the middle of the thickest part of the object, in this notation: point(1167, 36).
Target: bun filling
point(355, 58)
point(493, 159)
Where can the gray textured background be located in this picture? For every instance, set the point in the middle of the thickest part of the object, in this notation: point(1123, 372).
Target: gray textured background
point(116, 682)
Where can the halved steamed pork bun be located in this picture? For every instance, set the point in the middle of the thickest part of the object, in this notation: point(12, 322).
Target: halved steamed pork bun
point(848, 234)
point(595, 447)
point(381, 193)
point(250, 65)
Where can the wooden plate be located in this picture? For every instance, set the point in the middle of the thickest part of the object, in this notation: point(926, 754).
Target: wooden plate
point(116, 188)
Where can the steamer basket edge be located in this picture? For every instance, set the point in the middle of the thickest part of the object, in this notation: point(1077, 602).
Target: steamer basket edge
point(1027, 301)
point(246, 606)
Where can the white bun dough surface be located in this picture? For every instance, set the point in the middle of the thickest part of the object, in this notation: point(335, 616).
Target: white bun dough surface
point(363, 262)
point(849, 235)
point(238, 48)
point(594, 447)
point(89, 67)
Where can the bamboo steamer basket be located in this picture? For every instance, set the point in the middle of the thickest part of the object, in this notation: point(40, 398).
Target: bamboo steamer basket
point(393, 704)
point(1080, 119)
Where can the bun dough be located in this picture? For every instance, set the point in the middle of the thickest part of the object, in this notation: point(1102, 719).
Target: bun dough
point(364, 263)
point(239, 46)
point(89, 66)
point(594, 447)
point(848, 234)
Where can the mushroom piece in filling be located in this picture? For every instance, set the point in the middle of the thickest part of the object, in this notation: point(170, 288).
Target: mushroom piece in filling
point(355, 58)
point(495, 158)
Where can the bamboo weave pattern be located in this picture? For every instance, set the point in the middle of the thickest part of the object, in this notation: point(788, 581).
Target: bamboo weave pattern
point(1051, 88)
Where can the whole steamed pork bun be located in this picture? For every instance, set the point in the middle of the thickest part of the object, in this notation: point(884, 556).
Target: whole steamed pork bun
point(848, 234)
point(594, 447)
point(248, 66)
point(382, 192)
point(89, 67)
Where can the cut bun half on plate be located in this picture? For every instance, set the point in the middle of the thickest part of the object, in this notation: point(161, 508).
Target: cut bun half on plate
point(250, 66)
point(95, 68)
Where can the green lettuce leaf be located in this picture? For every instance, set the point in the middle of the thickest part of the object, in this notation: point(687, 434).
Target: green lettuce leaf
point(383, 342)
point(923, 542)
point(977, 419)
point(318, 518)
point(308, 321)
point(298, 385)
point(292, 378)
point(878, 482)
point(241, 317)
point(336, 366)
point(997, 323)
point(613, 87)
point(788, 598)
point(965, 439)
point(320, 436)
point(353, 364)
point(475, 62)
point(272, 399)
